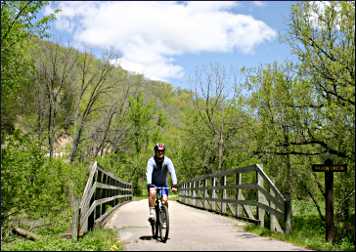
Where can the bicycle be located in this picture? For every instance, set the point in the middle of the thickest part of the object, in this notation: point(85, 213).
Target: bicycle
point(160, 226)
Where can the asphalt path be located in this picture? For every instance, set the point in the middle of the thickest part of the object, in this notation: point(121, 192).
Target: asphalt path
point(190, 229)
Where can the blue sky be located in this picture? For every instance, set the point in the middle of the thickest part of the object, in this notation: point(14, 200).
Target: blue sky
point(168, 40)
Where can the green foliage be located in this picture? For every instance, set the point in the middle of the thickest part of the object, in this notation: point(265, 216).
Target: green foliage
point(97, 240)
point(34, 185)
point(19, 22)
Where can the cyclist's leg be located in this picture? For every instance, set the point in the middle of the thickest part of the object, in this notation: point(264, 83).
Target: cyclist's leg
point(151, 197)
point(165, 197)
point(151, 200)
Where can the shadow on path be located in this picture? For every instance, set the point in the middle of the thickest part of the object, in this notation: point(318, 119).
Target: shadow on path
point(146, 237)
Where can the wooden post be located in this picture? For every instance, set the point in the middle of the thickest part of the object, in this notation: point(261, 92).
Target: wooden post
point(223, 196)
point(329, 208)
point(328, 168)
point(190, 193)
point(288, 214)
point(214, 195)
point(238, 195)
point(261, 199)
point(274, 224)
point(194, 193)
point(205, 205)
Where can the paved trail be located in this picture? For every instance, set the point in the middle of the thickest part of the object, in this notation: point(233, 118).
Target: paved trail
point(190, 229)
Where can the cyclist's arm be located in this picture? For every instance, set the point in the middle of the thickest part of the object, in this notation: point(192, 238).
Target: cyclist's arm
point(149, 171)
point(172, 172)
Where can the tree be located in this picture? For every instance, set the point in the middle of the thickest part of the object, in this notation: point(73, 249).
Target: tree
point(55, 73)
point(323, 38)
point(94, 84)
point(19, 23)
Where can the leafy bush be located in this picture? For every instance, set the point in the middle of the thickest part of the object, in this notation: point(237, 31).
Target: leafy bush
point(35, 186)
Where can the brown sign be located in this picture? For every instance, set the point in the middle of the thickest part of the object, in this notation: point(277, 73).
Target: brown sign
point(328, 168)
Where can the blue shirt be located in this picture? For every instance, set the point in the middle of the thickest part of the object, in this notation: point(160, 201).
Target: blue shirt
point(156, 173)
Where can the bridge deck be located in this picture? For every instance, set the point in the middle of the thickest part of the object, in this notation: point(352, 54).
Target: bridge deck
point(191, 229)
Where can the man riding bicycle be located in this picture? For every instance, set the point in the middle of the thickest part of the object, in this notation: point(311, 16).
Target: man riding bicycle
point(157, 168)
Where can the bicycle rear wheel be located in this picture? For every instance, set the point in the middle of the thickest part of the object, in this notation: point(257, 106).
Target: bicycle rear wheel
point(163, 223)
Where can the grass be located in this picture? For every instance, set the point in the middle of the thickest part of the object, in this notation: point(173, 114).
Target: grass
point(97, 240)
point(52, 239)
point(307, 231)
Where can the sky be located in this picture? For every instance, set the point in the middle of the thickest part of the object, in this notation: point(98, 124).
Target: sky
point(168, 40)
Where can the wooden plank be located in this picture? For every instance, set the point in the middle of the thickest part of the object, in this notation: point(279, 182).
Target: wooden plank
point(194, 193)
point(261, 199)
point(111, 187)
point(238, 194)
point(234, 171)
point(205, 193)
point(112, 175)
point(274, 224)
point(270, 196)
point(98, 202)
point(261, 172)
point(213, 198)
point(224, 195)
point(246, 209)
point(89, 183)
point(271, 210)
point(226, 172)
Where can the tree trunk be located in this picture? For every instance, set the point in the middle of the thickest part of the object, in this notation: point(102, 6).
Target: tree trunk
point(25, 233)
point(76, 142)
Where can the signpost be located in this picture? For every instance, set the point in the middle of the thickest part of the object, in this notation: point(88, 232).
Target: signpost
point(328, 167)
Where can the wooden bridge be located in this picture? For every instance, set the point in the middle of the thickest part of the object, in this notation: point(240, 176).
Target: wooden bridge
point(103, 193)
point(246, 193)
point(257, 199)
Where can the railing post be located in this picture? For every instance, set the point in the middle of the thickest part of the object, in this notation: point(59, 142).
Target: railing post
point(190, 194)
point(182, 193)
point(274, 224)
point(214, 194)
point(205, 204)
point(186, 192)
point(288, 214)
point(194, 193)
point(223, 196)
point(261, 200)
point(238, 194)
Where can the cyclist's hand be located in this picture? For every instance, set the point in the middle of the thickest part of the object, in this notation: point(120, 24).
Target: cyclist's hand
point(174, 188)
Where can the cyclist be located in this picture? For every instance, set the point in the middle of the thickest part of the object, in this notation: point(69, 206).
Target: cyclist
point(157, 168)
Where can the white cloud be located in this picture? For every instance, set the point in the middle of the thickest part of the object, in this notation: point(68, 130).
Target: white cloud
point(258, 3)
point(149, 34)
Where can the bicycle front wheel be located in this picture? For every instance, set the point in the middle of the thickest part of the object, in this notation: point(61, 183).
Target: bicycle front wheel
point(163, 223)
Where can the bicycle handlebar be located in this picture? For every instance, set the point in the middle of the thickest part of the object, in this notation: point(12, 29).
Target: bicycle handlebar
point(161, 187)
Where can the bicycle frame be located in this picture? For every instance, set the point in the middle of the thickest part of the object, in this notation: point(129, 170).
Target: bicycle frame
point(161, 217)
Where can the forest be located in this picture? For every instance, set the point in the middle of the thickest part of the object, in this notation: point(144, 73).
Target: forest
point(62, 108)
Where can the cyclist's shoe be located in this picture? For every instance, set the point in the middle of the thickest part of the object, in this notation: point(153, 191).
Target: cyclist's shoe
point(164, 225)
point(151, 218)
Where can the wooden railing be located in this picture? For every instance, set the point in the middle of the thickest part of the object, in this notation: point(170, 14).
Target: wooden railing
point(256, 199)
point(102, 194)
